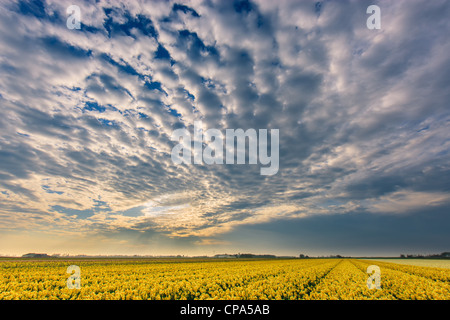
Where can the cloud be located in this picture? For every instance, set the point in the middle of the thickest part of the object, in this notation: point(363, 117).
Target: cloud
point(404, 202)
point(87, 114)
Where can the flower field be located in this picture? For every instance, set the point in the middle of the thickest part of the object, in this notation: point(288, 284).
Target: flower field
point(293, 279)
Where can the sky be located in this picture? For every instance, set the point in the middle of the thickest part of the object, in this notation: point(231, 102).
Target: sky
point(86, 118)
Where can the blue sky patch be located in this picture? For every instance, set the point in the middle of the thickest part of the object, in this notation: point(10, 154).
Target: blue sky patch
point(48, 190)
point(94, 106)
point(140, 22)
point(179, 7)
point(162, 53)
point(81, 214)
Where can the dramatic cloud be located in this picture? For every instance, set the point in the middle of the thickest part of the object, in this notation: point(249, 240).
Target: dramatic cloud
point(87, 116)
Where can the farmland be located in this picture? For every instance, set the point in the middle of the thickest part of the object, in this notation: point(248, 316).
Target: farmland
point(435, 263)
point(186, 279)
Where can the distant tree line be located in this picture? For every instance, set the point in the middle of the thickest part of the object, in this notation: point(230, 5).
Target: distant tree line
point(36, 255)
point(443, 255)
point(245, 255)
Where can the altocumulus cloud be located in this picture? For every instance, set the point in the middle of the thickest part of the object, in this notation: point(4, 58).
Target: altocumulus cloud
point(86, 115)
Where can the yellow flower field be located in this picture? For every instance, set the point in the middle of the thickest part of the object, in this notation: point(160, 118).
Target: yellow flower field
point(293, 279)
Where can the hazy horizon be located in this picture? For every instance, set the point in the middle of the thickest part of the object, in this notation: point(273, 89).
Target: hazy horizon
point(419, 255)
